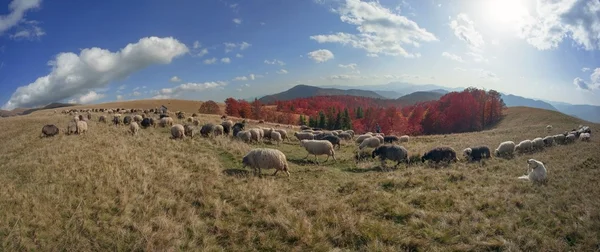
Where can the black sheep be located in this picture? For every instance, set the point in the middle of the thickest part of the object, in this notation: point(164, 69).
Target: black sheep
point(440, 153)
point(163, 116)
point(226, 128)
point(127, 120)
point(147, 122)
point(477, 153)
point(333, 140)
point(237, 128)
point(117, 120)
point(392, 152)
point(49, 130)
point(390, 139)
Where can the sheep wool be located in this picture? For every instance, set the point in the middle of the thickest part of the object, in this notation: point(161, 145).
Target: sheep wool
point(304, 136)
point(476, 153)
point(538, 143)
point(82, 127)
point(570, 138)
point(548, 141)
point(283, 133)
point(177, 131)
point(318, 147)
point(245, 136)
point(391, 152)
point(362, 137)
point(134, 128)
point(256, 134)
point(585, 137)
point(275, 136)
point(218, 130)
point(371, 142)
point(524, 146)
point(265, 158)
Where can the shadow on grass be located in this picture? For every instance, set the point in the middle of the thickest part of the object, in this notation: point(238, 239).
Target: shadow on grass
point(371, 169)
point(303, 162)
point(237, 172)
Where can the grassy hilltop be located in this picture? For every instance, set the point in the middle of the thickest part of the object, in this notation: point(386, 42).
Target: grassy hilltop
point(108, 190)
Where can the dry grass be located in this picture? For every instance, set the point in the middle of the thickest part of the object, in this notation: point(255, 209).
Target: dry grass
point(108, 190)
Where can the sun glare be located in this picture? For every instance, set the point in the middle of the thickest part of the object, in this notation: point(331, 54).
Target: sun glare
point(505, 12)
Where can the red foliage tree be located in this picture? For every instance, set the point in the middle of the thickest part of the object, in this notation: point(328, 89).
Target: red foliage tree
point(232, 107)
point(209, 107)
point(245, 109)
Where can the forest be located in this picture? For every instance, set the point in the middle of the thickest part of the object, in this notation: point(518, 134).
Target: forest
point(470, 110)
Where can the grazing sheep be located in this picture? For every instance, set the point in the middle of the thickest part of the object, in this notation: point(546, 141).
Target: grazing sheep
point(538, 143)
point(190, 119)
point(391, 152)
point(570, 138)
point(166, 121)
point(477, 153)
point(256, 134)
point(207, 129)
point(189, 130)
point(127, 120)
point(536, 171)
point(548, 141)
point(81, 118)
point(404, 139)
point(237, 128)
point(524, 146)
point(345, 136)
point(276, 136)
point(76, 119)
point(102, 119)
point(177, 131)
point(72, 128)
point(49, 130)
point(227, 125)
point(147, 122)
point(351, 132)
point(82, 127)
point(318, 147)
point(361, 138)
point(440, 154)
point(322, 135)
point(117, 120)
point(333, 140)
point(391, 139)
point(505, 149)
point(549, 128)
point(304, 136)
point(245, 136)
point(560, 139)
point(218, 130)
point(585, 137)
point(265, 158)
point(371, 142)
point(134, 128)
point(267, 132)
point(283, 134)
point(89, 116)
point(138, 118)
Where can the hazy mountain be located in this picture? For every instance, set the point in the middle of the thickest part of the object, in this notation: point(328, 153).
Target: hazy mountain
point(586, 112)
point(420, 96)
point(514, 101)
point(303, 91)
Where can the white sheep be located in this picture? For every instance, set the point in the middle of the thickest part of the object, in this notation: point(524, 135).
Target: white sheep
point(218, 130)
point(82, 127)
point(166, 121)
point(536, 171)
point(138, 118)
point(548, 140)
point(372, 142)
point(134, 128)
point(560, 139)
point(570, 138)
point(362, 137)
point(304, 136)
point(351, 132)
point(256, 134)
point(265, 158)
point(524, 146)
point(318, 147)
point(345, 136)
point(380, 137)
point(549, 128)
point(177, 131)
point(245, 136)
point(585, 137)
point(283, 134)
point(276, 136)
point(267, 132)
point(506, 148)
point(538, 143)
point(404, 139)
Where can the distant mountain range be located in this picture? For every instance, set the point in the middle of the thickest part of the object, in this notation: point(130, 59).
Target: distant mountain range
point(25, 111)
point(409, 94)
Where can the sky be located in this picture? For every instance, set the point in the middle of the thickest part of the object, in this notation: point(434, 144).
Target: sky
point(102, 51)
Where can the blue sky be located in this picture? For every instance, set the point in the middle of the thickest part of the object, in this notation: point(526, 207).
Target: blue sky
point(100, 51)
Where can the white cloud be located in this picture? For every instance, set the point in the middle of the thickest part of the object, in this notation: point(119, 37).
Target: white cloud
point(240, 78)
point(585, 69)
point(556, 20)
point(464, 29)
point(320, 55)
point(122, 87)
point(89, 97)
point(592, 85)
point(581, 84)
point(249, 77)
point(477, 57)
point(210, 61)
point(237, 21)
point(175, 79)
point(136, 93)
point(30, 31)
point(239, 56)
point(380, 31)
point(74, 74)
point(226, 60)
point(233, 6)
point(485, 74)
point(282, 71)
point(453, 57)
point(460, 69)
point(344, 77)
point(275, 62)
point(202, 52)
point(119, 97)
point(352, 66)
point(232, 46)
point(372, 55)
point(17, 10)
point(197, 44)
point(187, 88)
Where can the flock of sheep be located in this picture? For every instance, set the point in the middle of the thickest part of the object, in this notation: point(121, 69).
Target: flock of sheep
point(315, 141)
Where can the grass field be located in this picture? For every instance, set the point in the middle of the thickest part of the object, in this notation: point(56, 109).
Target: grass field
point(108, 190)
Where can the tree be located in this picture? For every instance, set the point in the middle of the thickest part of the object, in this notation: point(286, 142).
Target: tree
point(338, 121)
point(359, 113)
point(322, 123)
point(209, 107)
point(346, 121)
point(232, 107)
point(257, 109)
point(302, 120)
point(245, 109)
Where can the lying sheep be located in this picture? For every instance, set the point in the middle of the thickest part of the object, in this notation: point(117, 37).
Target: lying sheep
point(304, 136)
point(404, 139)
point(207, 129)
point(538, 143)
point(391, 152)
point(585, 137)
point(333, 140)
point(524, 146)
point(82, 127)
point(560, 139)
point(318, 147)
point(476, 153)
point(276, 136)
point(391, 139)
point(49, 130)
point(371, 142)
point(265, 158)
point(245, 136)
point(548, 141)
point(440, 154)
point(134, 128)
point(189, 130)
point(177, 131)
point(536, 171)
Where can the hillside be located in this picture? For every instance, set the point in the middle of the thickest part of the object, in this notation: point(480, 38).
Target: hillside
point(108, 189)
point(417, 97)
point(302, 91)
point(14, 112)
